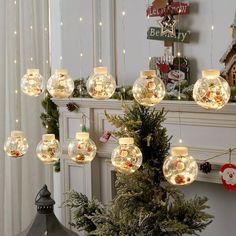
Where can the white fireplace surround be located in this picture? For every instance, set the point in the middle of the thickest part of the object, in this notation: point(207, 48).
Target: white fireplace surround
point(206, 133)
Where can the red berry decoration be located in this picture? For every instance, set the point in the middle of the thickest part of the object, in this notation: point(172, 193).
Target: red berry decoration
point(205, 167)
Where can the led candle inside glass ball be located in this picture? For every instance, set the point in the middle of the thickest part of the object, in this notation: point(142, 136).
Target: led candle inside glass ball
point(16, 145)
point(60, 85)
point(127, 157)
point(32, 83)
point(82, 149)
point(211, 91)
point(49, 149)
point(148, 89)
point(101, 85)
point(179, 168)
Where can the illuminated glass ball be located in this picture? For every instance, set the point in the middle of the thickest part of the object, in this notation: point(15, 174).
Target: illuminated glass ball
point(32, 83)
point(101, 85)
point(211, 91)
point(82, 149)
point(16, 145)
point(179, 168)
point(127, 157)
point(148, 89)
point(60, 85)
point(49, 150)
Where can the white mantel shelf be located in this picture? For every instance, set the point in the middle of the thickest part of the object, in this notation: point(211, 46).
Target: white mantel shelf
point(206, 133)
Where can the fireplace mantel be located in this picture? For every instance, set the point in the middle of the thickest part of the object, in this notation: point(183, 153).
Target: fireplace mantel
point(206, 133)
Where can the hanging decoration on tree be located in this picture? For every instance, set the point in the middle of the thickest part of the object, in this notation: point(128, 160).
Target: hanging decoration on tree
point(32, 83)
point(127, 157)
point(211, 91)
point(82, 149)
point(168, 24)
point(16, 145)
point(179, 168)
point(60, 85)
point(228, 176)
point(49, 149)
point(148, 89)
point(101, 85)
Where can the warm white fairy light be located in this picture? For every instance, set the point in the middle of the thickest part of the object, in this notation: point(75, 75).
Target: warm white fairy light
point(15, 2)
point(17, 121)
point(31, 27)
point(45, 28)
point(61, 23)
point(80, 19)
point(100, 23)
point(15, 61)
point(46, 61)
point(31, 59)
point(123, 51)
point(212, 27)
point(180, 140)
point(16, 91)
point(15, 32)
point(61, 58)
point(100, 60)
point(179, 54)
point(123, 13)
point(81, 54)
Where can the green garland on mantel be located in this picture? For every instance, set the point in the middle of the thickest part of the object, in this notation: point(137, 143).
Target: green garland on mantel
point(50, 116)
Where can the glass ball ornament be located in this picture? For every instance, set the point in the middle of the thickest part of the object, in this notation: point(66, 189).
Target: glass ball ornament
point(82, 149)
point(179, 168)
point(101, 85)
point(211, 91)
point(32, 83)
point(127, 157)
point(60, 85)
point(16, 145)
point(148, 89)
point(49, 149)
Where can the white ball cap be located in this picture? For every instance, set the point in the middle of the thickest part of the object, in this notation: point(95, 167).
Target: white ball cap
point(48, 137)
point(126, 141)
point(100, 70)
point(82, 136)
point(145, 73)
point(61, 72)
point(32, 71)
point(179, 151)
point(211, 74)
point(17, 133)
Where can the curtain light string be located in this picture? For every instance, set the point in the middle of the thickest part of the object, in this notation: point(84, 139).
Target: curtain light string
point(123, 15)
point(100, 24)
point(61, 26)
point(212, 32)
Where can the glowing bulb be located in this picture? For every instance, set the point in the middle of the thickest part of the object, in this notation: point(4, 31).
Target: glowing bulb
point(17, 121)
point(31, 58)
point(61, 58)
point(61, 23)
point(180, 140)
point(31, 27)
point(178, 54)
point(81, 54)
point(15, 32)
point(100, 23)
point(16, 91)
point(15, 61)
point(124, 51)
point(123, 13)
point(212, 27)
point(45, 28)
point(80, 19)
point(180, 168)
point(100, 60)
point(149, 58)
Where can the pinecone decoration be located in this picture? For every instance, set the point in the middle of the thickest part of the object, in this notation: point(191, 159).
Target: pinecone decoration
point(72, 107)
point(205, 167)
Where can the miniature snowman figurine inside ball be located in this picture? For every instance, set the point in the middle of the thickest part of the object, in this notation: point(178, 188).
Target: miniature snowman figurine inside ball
point(211, 91)
point(179, 168)
point(16, 145)
point(101, 85)
point(82, 149)
point(148, 89)
point(60, 85)
point(49, 150)
point(32, 83)
point(127, 157)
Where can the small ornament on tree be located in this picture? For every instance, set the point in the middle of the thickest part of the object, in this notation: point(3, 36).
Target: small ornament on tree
point(205, 167)
point(168, 25)
point(228, 176)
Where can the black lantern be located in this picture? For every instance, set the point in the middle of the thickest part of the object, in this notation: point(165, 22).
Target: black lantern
point(45, 222)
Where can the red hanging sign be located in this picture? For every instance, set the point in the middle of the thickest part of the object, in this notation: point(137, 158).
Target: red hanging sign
point(175, 8)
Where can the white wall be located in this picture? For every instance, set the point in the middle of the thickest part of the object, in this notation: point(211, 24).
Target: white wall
point(137, 52)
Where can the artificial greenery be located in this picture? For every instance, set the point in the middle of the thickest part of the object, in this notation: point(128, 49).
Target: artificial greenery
point(145, 204)
point(50, 120)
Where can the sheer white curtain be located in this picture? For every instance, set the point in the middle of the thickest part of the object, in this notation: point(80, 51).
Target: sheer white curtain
point(23, 44)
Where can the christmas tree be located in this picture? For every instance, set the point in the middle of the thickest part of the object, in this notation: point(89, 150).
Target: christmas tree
point(145, 203)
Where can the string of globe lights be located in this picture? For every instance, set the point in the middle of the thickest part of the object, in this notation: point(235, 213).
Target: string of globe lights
point(16, 144)
point(211, 91)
